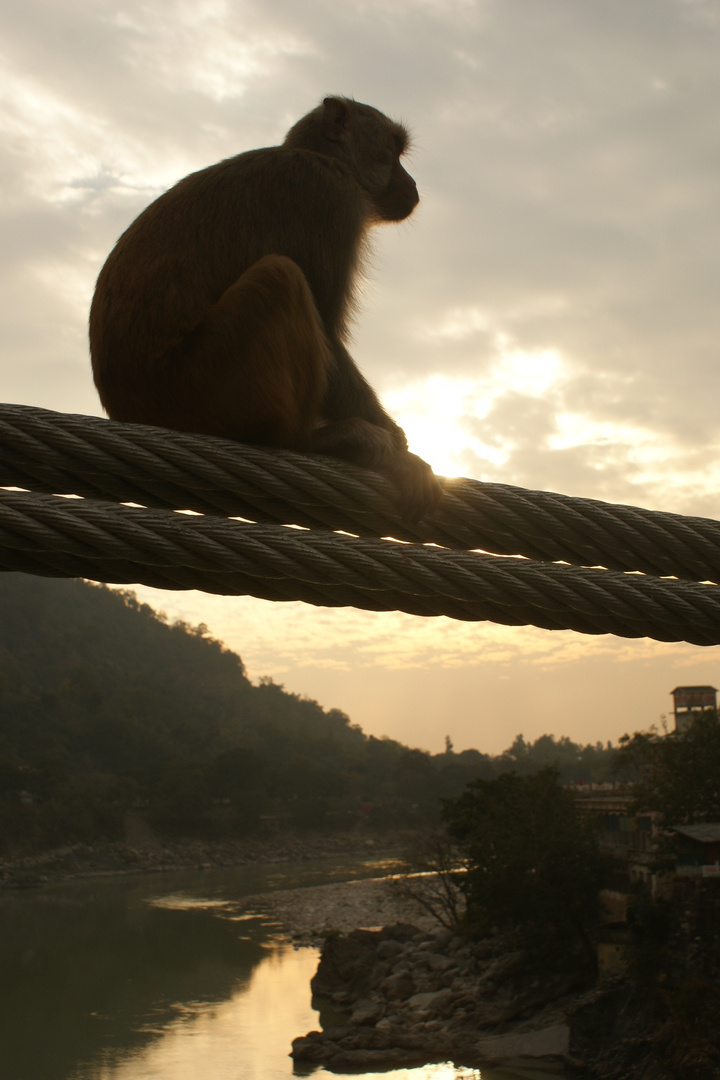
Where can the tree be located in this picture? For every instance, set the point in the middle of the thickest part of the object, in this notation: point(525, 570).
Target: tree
point(678, 773)
point(532, 860)
point(433, 878)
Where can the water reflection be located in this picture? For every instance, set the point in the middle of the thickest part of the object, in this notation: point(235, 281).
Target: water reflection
point(159, 978)
point(246, 1037)
point(93, 968)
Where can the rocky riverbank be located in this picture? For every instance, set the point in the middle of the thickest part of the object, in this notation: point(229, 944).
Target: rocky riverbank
point(416, 995)
point(413, 993)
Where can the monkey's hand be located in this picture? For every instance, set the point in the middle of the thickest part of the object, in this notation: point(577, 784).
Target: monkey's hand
point(419, 488)
point(385, 450)
point(399, 438)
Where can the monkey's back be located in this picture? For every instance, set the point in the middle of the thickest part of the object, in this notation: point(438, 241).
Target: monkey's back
point(175, 261)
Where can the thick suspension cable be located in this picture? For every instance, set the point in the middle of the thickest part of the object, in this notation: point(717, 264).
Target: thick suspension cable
point(622, 558)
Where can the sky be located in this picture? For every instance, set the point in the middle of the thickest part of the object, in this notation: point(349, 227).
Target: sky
point(548, 317)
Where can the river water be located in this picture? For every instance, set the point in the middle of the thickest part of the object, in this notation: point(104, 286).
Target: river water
point(161, 977)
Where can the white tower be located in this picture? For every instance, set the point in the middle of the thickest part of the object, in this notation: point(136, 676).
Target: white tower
point(689, 701)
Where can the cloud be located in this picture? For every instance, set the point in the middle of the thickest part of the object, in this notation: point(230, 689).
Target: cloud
point(548, 317)
point(420, 679)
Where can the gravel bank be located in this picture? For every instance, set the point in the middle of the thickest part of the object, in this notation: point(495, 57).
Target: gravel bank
point(144, 852)
point(308, 915)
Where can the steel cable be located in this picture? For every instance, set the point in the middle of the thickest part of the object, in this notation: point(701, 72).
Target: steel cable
point(578, 564)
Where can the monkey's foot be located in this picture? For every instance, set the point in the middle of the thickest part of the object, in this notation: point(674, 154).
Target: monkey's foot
point(419, 488)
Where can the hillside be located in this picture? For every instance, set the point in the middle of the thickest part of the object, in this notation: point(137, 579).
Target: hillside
point(106, 708)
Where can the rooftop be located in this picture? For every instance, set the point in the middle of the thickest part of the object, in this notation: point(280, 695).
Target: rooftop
point(706, 833)
point(695, 689)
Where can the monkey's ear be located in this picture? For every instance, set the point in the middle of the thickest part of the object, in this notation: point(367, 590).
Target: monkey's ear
point(336, 118)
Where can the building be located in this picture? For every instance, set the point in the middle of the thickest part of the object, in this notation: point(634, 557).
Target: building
point(628, 837)
point(688, 701)
point(698, 850)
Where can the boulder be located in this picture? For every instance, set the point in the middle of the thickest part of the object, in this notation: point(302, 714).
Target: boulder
point(422, 1001)
point(348, 963)
point(439, 963)
point(390, 950)
point(366, 1060)
point(433, 1001)
point(400, 985)
point(367, 1012)
point(547, 1042)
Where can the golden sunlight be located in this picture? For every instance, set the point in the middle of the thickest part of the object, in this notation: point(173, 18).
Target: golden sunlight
point(432, 413)
point(530, 373)
point(439, 414)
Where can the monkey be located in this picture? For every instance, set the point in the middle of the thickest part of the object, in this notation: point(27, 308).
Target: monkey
point(224, 308)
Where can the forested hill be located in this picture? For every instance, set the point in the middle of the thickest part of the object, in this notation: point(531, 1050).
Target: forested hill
point(107, 708)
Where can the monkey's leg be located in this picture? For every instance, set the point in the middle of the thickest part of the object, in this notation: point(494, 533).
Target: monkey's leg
point(357, 428)
point(255, 368)
point(355, 439)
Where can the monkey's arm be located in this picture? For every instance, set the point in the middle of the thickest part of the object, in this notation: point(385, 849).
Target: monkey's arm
point(349, 395)
point(356, 427)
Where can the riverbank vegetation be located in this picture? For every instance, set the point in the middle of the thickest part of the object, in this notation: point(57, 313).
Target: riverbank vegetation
point(512, 974)
point(113, 719)
point(532, 861)
point(108, 709)
point(518, 860)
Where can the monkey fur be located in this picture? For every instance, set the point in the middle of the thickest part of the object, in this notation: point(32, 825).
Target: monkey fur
point(223, 309)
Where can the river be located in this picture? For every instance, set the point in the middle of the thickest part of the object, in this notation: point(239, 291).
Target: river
point(161, 977)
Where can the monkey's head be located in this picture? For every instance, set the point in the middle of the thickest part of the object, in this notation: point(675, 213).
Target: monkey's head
point(369, 144)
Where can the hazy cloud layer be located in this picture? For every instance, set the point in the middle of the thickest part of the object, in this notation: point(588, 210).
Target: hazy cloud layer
point(421, 679)
point(548, 317)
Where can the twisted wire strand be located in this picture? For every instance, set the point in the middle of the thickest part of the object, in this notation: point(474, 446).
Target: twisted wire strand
point(99, 459)
point(160, 471)
point(123, 544)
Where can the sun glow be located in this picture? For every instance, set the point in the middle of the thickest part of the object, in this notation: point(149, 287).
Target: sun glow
point(434, 415)
point(530, 373)
point(440, 415)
